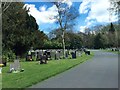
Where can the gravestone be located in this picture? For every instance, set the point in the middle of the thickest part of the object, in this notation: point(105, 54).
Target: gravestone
point(66, 53)
point(73, 54)
point(61, 54)
point(40, 53)
point(29, 56)
point(17, 65)
point(52, 54)
point(87, 52)
point(12, 67)
point(48, 55)
point(79, 53)
point(44, 58)
point(57, 55)
point(36, 54)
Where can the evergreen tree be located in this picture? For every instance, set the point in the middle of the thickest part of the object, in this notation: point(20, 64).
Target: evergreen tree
point(20, 30)
point(112, 29)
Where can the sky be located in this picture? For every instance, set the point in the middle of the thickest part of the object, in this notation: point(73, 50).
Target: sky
point(91, 13)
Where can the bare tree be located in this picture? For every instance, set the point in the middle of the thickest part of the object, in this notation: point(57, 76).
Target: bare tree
point(65, 17)
point(115, 9)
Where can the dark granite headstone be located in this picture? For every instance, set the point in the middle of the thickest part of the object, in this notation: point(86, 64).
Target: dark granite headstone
point(73, 55)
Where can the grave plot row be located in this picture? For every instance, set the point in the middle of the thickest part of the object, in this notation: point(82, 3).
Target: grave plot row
point(51, 54)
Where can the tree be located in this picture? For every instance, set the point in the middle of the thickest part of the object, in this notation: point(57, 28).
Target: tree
point(99, 41)
point(5, 5)
point(115, 8)
point(65, 18)
point(73, 40)
point(20, 30)
point(112, 29)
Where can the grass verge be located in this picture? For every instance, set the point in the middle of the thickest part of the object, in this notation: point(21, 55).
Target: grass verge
point(116, 52)
point(35, 72)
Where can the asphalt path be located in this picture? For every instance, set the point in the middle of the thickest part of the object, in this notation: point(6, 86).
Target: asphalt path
point(99, 72)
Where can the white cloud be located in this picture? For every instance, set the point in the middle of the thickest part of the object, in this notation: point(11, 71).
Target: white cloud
point(84, 7)
point(98, 11)
point(82, 29)
point(43, 15)
point(69, 3)
point(42, 8)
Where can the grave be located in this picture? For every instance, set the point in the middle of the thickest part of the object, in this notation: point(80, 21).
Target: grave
point(57, 55)
point(52, 54)
point(66, 53)
point(39, 56)
point(73, 54)
point(87, 52)
point(43, 57)
point(15, 67)
point(48, 55)
point(29, 56)
point(61, 54)
point(36, 55)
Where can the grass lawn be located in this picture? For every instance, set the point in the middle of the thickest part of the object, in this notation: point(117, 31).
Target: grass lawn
point(116, 52)
point(35, 72)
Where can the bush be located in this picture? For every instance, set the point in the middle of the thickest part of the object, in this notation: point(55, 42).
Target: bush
point(8, 56)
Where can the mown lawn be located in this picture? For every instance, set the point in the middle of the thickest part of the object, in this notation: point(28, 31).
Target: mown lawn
point(35, 72)
point(116, 52)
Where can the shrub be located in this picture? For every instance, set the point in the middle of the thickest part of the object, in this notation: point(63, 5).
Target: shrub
point(8, 55)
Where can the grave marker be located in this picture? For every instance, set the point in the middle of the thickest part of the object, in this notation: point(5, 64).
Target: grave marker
point(17, 65)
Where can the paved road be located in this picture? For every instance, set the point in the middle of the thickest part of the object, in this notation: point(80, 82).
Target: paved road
point(99, 72)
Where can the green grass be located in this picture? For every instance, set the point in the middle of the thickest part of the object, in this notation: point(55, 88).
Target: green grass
point(35, 72)
point(116, 52)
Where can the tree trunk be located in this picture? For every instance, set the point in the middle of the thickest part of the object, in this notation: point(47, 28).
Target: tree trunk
point(63, 41)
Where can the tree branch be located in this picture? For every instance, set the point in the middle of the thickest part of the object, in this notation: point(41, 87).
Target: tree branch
point(7, 7)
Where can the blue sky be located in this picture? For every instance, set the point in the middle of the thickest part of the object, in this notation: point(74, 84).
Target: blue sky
point(91, 12)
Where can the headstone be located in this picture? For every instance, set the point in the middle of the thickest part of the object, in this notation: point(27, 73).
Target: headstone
point(52, 54)
point(61, 54)
point(12, 67)
point(29, 56)
point(87, 52)
point(48, 54)
point(44, 58)
point(40, 53)
point(73, 54)
point(66, 53)
point(36, 54)
point(16, 65)
point(57, 55)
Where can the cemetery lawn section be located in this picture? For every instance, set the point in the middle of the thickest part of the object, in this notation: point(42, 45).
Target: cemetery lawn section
point(34, 72)
point(116, 52)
